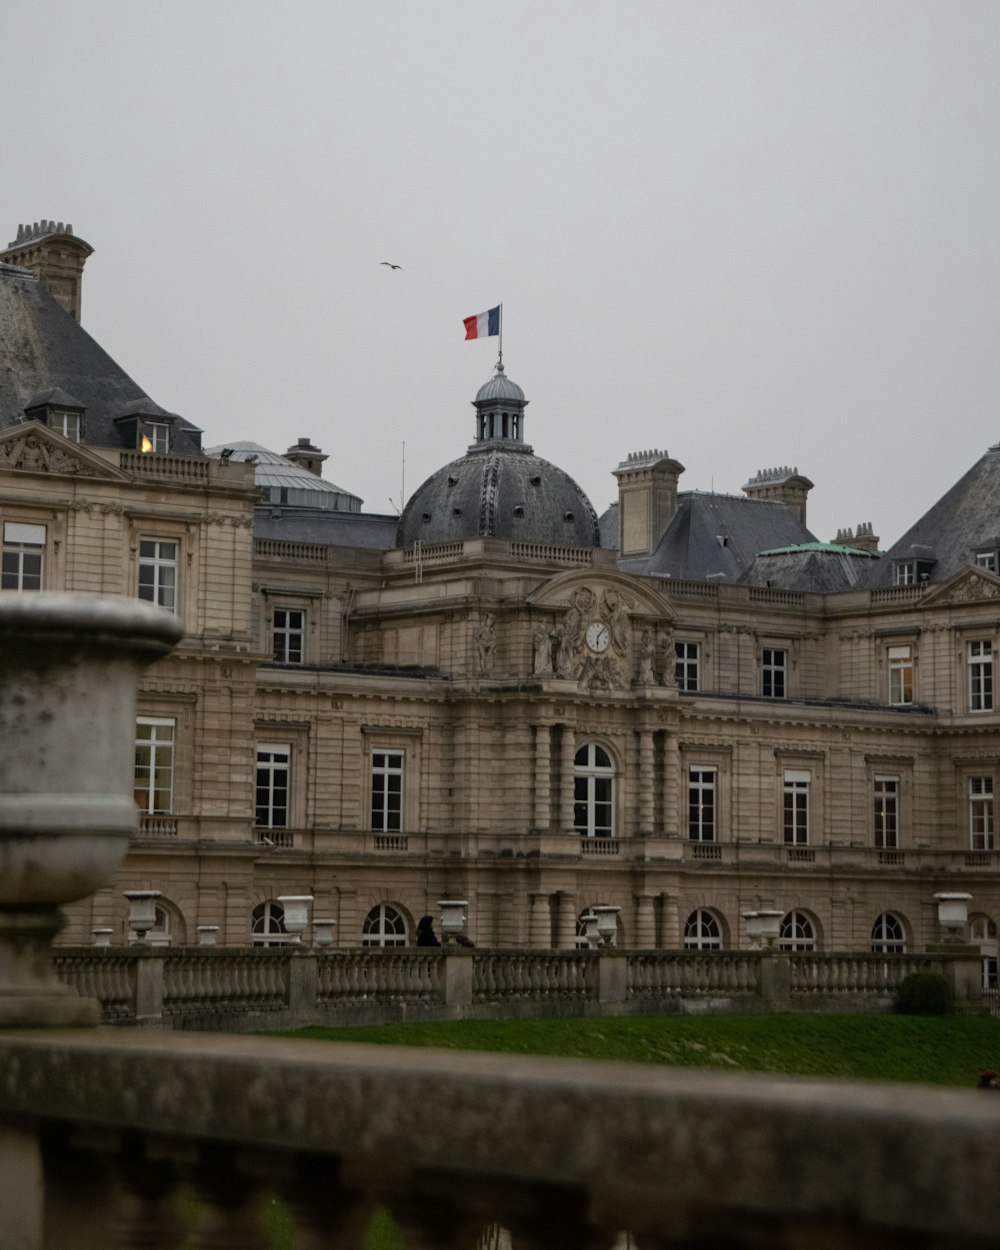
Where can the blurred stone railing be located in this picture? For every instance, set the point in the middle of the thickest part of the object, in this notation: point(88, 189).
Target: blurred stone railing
point(246, 988)
point(102, 1131)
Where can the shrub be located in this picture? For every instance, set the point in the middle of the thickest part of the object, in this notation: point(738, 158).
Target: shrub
point(924, 994)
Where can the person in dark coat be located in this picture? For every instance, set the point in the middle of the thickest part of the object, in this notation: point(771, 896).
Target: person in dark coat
point(425, 932)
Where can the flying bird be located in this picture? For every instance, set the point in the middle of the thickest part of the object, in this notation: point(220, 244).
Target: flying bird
point(390, 264)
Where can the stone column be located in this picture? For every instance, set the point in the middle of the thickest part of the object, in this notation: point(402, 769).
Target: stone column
point(566, 922)
point(671, 786)
point(540, 923)
point(670, 922)
point(543, 778)
point(646, 783)
point(567, 789)
point(645, 922)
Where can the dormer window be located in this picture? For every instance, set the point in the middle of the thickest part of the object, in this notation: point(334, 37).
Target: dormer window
point(154, 436)
point(987, 559)
point(912, 572)
point(66, 423)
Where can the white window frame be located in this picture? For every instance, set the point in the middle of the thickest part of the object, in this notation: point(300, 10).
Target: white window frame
point(593, 791)
point(986, 560)
point(982, 812)
point(285, 634)
point(885, 796)
point(687, 664)
point(904, 573)
point(161, 744)
point(387, 769)
point(901, 666)
point(888, 934)
point(157, 435)
point(703, 802)
point(163, 568)
point(795, 788)
point(22, 564)
point(68, 424)
point(267, 924)
point(979, 659)
point(274, 765)
point(385, 925)
point(797, 932)
point(774, 672)
point(703, 931)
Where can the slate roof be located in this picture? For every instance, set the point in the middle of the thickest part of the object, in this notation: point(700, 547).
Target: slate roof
point(964, 519)
point(713, 536)
point(322, 527)
point(42, 348)
point(500, 489)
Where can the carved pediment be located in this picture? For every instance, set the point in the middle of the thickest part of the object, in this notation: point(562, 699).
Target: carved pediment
point(639, 597)
point(33, 448)
point(968, 585)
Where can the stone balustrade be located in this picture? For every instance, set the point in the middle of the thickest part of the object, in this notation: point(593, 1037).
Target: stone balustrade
point(246, 988)
point(102, 1130)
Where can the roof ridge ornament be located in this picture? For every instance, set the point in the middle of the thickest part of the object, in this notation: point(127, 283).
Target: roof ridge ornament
point(38, 230)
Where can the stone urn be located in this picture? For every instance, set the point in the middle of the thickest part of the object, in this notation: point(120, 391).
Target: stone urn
point(296, 915)
point(141, 911)
point(591, 933)
point(452, 917)
point(323, 931)
point(953, 913)
point(69, 673)
point(763, 928)
point(607, 924)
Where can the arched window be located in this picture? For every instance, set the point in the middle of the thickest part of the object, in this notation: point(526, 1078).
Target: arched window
point(268, 925)
point(702, 931)
point(888, 935)
point(384, 925)
point(593, 792)
point(797, 933)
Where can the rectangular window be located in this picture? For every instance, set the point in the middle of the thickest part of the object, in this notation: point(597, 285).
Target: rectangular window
point(67, 424)
point(900, 675)
point(23, 556)
point(986, 560)
point(980, 661)
point(273, 765)
point(686, 665)
point(154, 765)
point(287, 635)
point(387, 791)
point(158, 572)
point(155, 437)
point(701, 803)
point(904, 573)
point(772, 673)
point(886, 812)
point(796, 807)
point(981, 828)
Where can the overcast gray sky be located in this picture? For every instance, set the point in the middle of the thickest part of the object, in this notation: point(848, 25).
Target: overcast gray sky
point(751, 232)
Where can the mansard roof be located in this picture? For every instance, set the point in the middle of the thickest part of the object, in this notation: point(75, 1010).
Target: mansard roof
point(42, 349)
point(715, 537)
point(964, 521)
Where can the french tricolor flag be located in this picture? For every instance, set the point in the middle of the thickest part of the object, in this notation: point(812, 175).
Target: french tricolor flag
point(483, 324)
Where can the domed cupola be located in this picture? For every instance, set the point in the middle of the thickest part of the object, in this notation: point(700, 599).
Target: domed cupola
point(499, 488)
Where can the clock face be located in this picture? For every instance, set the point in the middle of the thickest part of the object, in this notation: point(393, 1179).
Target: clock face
point(598, 636)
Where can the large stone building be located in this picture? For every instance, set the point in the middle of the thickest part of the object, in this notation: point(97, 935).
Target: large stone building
point(688, 708)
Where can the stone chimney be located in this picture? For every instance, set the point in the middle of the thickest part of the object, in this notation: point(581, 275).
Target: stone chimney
point(306, 456)
point(647, 500)
point(784, 484)
point(55, 256)
point(864, 538)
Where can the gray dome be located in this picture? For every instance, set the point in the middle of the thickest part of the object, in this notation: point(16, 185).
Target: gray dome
point(501, 388)
point(499, 490)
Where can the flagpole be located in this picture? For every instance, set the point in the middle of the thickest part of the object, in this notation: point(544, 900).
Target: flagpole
point(501, 333)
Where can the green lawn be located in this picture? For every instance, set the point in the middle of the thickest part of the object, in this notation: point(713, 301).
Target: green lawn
point(940, 1050)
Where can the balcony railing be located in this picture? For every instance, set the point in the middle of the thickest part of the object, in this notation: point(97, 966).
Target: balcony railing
point(243, 988)
point(101, 1132)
